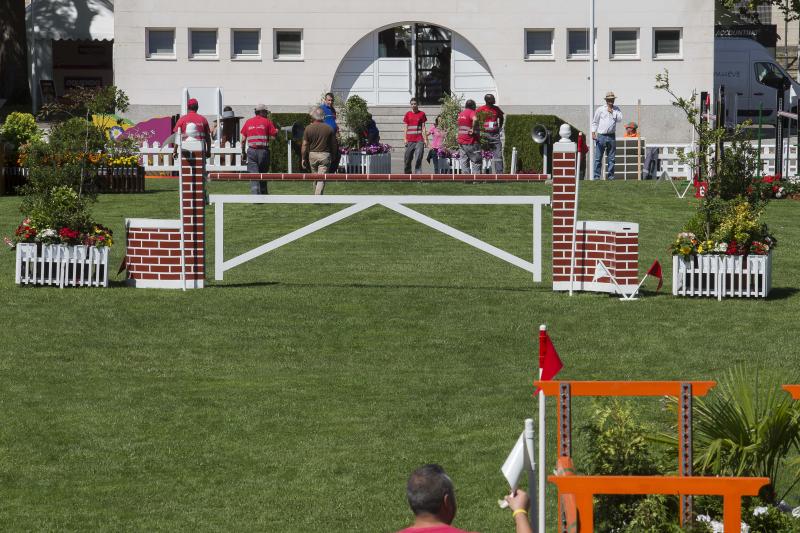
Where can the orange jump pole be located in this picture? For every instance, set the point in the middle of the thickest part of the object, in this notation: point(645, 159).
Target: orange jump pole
point(584, 488)
point(684, 390)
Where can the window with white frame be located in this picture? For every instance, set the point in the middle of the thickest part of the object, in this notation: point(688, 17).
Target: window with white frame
point(245, 44)
point(667, 43)
point(539, 44)
point(578, 43)
point(288, 44)
point(203, 43)
point(160, 43)
point(624, 43)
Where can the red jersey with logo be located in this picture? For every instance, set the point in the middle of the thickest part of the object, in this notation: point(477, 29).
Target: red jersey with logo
point(466, 134)
point(195, 118)
point(493, 114)
point(414, 122)
point(259, 131)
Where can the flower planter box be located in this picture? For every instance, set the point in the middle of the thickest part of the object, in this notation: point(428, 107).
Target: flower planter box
point(121, 179)
point(358, 163)
point(109, 179)
point(61, 265)
point(12, 177)
point(722, 276)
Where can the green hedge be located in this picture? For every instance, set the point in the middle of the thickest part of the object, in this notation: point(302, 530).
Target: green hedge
point(518, 134)
point(277, 152)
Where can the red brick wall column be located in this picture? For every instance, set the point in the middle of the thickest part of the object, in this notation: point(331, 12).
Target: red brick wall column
point(563, 204)
point(153, 254)
point(193, 215)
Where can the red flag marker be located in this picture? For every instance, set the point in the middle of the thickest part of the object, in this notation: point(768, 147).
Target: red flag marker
point(655, 271)
point(549, 361)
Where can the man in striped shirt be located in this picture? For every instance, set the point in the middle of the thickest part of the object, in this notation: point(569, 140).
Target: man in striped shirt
point(256, 133)
point(416, 137)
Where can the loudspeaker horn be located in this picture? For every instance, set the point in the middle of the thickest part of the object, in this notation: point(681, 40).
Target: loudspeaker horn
point(539, 134)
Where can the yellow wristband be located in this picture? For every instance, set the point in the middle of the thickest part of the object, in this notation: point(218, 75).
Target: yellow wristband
point(519, 511)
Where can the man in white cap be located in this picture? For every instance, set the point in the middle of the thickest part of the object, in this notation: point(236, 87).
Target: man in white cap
point(604, 133)
point(256, 133)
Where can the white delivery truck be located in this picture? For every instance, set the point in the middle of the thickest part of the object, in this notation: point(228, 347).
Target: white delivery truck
point(738, 65)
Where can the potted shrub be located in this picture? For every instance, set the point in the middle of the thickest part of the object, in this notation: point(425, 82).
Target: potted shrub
point(724, 249)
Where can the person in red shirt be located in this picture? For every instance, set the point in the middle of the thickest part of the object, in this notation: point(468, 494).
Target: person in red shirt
point(468, 139)
point(256, 133)
point(193, 117)
point(493, 118)
point(416, 137)
point(432, 499)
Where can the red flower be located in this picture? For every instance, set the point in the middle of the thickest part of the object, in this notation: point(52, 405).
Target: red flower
point(68, 234)
point(731, 248)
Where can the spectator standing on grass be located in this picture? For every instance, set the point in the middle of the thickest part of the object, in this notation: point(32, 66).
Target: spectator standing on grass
point(492, 126)
point(193, 117)
point(256, 134)
point(604, 134)
point(436, 137)
point(416, 137)
point(432, 499)
point(316, 151)
point(468, 139)
point(330, 119)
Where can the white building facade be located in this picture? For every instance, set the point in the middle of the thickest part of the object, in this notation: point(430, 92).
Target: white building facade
point(532, 55)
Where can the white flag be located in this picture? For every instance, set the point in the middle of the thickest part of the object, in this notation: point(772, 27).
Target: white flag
point(516, 463)
point(600, 271)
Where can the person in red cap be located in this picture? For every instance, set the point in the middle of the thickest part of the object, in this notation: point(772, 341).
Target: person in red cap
point(193, 117)
point(257, 132)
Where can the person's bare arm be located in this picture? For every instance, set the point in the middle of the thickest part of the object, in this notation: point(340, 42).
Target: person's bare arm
point(519, 502)
point(425, 134)
point(303, 152)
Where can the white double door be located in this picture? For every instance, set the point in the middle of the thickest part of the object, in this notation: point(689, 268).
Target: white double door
point(392, 80)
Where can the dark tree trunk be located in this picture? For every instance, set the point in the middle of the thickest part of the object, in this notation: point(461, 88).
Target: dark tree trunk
point(13, 52)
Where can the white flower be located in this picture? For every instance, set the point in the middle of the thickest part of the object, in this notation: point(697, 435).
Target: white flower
point(757, 511)
point(49, 233)
point(721, 247)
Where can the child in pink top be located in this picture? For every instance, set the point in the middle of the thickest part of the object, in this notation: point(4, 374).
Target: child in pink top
point(437, 140)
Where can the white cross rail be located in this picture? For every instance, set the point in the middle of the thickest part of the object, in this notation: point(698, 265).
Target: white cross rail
point(359, 203)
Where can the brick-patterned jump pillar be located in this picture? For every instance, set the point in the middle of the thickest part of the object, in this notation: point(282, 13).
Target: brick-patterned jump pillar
point(565, 174)
point(616, 244)
point(153, 255)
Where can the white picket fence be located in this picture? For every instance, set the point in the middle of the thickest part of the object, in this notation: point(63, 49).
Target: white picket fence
point(722, 275)
point(452, 165)
point(668, 155)
point(227, 158)
point(61, 265)
point(358, 163)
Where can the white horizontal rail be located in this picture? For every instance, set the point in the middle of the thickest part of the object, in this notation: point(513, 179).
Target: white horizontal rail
point(377, 199)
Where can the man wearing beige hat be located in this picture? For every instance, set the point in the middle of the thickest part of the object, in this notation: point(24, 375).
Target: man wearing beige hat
point(604, 133)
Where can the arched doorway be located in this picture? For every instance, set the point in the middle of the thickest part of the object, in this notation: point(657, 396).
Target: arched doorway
point(390, 65)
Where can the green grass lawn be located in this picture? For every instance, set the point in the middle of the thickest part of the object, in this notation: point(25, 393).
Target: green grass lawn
point(298, 394)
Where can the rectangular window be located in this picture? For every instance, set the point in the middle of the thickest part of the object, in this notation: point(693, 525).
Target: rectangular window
point(246, 44)
point(667, 43)
point(578, 43)
point(289, 44)
point(160, 43)
point(539, 44)
point(625, 44)
point(202, 44)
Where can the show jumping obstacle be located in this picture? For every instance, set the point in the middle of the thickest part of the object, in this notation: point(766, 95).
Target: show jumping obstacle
point(171, 253)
